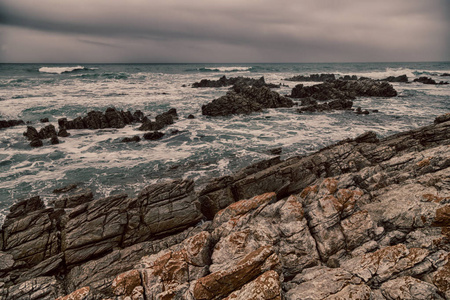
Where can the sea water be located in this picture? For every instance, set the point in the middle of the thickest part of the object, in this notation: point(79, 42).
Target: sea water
point(205, 147)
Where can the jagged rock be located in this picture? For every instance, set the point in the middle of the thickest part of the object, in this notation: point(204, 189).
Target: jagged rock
point(348, 77)
point(31, 133)
point(65, 189)
point(54, 140)
point(367, 137)
point(224, 81)
point(112, 118)
point(10, 123)
point(344, 90)
point(40, 288)
point(401, 78)
point(83, 196)
point(428, 80)
point(161, 121)
point(63, 132)
point(442, 119)
point(36, 143)
point(409, 288)
point(327, 106)
point(135, 138)
point(245, 100)
point(266, 286)
point(313, 77)
point(153, 136)
point(80, 294)
point(47, 132)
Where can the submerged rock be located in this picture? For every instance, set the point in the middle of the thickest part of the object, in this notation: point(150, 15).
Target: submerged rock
point(152, 136)
point(245, 100)
point(135, 138)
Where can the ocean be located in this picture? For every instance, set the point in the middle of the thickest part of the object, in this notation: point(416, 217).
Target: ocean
point(204, 147)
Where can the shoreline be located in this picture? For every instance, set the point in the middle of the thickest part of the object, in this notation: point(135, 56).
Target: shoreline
point(330, 198)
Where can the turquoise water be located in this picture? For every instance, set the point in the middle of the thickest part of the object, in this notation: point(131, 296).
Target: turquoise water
point(205, 147)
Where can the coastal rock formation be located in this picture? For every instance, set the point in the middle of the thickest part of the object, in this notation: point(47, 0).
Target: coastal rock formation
point(112, 118)
point(365, 218)
point(401, 78)
point(10, 123)
point(428, 80)
point(313, 77)
point(161, 121)
point(244, 100)
point(224, 81)
point(344, 90)
point(311, 105)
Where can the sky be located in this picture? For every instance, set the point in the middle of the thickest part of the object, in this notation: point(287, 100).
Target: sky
point(177, 31)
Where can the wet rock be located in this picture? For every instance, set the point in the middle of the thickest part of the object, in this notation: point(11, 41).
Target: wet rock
point(161, 121)
point(135, 138)
point(401, 78)
point(36, 143)
point(47, 132)
point(344, 90)
point(348, 77)
point(327, 106)
point(10, 123)
point(359, 111)
point(31, 133)
point(428, 80)
point(224, 81)
point(445, 74)
point(313, 77)
point(65, 189)
point(112, 118)
point(63, 132)
point(245, 100)
point(191, 117)
point(367, 137)
point(153, 136)
point(442, 118)
point(54, 140)
point(44, 120)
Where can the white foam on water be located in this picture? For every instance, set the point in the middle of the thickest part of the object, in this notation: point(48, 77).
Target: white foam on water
point(60, 70)
point(228, 69)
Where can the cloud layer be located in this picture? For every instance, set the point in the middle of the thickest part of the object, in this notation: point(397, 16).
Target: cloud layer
point(230, 31)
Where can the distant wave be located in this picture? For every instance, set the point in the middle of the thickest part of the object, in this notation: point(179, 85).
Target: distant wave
point(222, 69)
point(61, 70)
point(120, 75)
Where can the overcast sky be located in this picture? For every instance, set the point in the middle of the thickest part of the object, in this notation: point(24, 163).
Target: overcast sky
point(224, 31)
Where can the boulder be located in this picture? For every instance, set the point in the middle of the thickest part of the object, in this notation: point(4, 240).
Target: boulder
point(401, 78)
point(36, 143)
point(63, 132)
point(344, 90)
point(135, 138)
point(313, 77)
point(153, 136)
point(31, 133)
point(224, 81)
point(245, 100)
point(44, 120)
point(10, 123)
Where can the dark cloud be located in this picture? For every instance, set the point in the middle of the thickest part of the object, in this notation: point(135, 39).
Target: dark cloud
point(230, 31)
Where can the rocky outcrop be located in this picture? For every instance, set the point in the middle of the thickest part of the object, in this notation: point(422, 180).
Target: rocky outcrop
point(401, 78)
point(224, 81)
point(312, 105)
point(10, 123)
point(245, 100)
point(366, 218)
point(313, 77)
point(47, 132)
point(428, 80)
point(344, 90)
point(112, 118)
point(161, 121)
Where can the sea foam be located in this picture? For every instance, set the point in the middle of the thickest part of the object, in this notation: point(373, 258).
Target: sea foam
point(60, 70)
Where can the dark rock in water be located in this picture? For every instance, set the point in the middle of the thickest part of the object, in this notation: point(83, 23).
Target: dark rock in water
point(445, 74)
point(47, 132)
point(428, 80)
point(313, 77)
point(138, 116)
point(344, 90)
point(63, 132)
point(31, 133)
point(375, 110)
point(442, 119)
point(65, 189)
point(10, 123)
point(191, 117)
point(156, 135)
point(135, 138)
point(245, 100)
point(308, 101)
point(224, 81)
point(348, 77)
point(54, 140)
point(44, 120)
point(327, 106)
point(359, 111)
point(276, 151)
point(401, 78)
point(425, 80)
point(36, 143)
point(112, 118)
point(367, 137)
point(174, 131)
point(161, 121)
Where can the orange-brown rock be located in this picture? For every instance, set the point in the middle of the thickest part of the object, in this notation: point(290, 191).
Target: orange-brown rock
point(80, 294)
point(222, 283)
point(266, 287)
point(124, 284)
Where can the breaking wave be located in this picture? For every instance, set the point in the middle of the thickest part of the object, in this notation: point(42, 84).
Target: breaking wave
point(61, 70)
